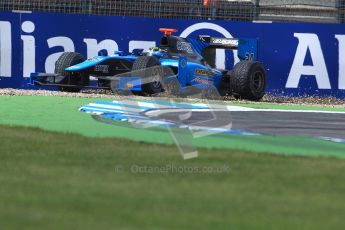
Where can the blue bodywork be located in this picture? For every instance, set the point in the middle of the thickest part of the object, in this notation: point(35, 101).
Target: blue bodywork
point(98, 60)
point(183, 55)
point(191, 72)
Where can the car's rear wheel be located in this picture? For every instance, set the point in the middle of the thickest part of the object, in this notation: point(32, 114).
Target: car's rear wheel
point(75, 80)
point(248, 80)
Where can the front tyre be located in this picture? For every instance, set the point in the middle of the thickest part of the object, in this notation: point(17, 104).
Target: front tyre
point(76, 80)
point(248, 80)
point(151, 75)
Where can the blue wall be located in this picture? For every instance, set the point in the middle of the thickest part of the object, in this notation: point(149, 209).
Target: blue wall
point(300, 58)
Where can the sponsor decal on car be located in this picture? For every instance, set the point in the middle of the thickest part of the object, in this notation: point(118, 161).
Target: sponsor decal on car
point(202, 80)
point(184, 46)
point(129, 86)
point(225, 41)
point(204, 72)
point(102, 68)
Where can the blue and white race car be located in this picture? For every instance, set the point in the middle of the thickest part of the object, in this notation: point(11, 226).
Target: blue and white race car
point(177, 66)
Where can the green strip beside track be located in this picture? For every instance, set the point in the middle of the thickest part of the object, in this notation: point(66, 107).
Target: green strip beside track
point(61, 114)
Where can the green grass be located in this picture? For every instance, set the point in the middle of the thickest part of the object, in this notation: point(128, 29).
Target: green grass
point(57, 181)
point(61, 114)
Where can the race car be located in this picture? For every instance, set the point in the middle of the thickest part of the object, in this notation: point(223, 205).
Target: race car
point(177, 66)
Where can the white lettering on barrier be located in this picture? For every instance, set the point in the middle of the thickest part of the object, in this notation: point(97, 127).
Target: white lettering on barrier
point(29, 52)
point(5, 49)
point(318, 69)
point(306, 42)
point(67, 45)
point(341, 41)
point(93, 46)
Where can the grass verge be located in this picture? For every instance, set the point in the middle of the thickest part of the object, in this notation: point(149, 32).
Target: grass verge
point(64, 181)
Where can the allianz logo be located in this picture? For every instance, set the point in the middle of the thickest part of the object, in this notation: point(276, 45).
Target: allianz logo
point(307, 43)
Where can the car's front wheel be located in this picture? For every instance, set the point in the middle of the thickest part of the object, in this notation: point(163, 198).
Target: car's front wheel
point(146, 68)
point(73, 81)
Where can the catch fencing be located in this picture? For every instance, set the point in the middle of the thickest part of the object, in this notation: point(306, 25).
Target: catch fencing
point(327, 11)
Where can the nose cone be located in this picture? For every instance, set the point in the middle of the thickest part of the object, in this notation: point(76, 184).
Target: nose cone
point(74, 68)
point(85, 64)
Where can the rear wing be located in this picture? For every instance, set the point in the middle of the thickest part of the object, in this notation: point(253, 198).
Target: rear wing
point(247, 48)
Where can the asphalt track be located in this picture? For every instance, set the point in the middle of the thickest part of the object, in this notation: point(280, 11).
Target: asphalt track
point(315, 124)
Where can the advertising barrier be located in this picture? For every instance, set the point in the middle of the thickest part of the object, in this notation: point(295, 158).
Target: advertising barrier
point(300, 58)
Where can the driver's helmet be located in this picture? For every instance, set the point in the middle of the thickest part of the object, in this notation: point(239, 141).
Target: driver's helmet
point(154, 50)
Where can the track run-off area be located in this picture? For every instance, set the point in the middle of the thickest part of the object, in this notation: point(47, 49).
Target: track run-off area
point(260, 128)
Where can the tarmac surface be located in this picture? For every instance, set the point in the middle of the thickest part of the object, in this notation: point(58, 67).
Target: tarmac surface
point(304, 123)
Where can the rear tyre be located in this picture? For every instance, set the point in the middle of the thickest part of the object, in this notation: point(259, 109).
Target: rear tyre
point(248, 80)
point(151, 75)
point(66, 60)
